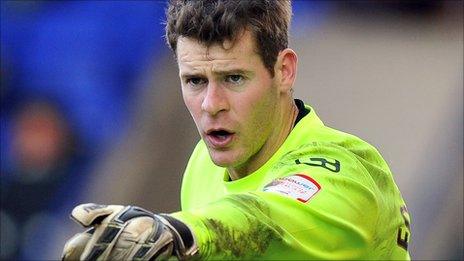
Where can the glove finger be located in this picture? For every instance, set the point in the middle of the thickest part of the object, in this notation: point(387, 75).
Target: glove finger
point(135, 234)
point(159, 250)
point(108, 233)
point(91, 214)
point(103, 240)
point(75, 246)
point(111, 227)
point(158, 244)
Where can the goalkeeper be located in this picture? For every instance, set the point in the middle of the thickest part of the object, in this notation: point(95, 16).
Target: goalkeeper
point(268, 180)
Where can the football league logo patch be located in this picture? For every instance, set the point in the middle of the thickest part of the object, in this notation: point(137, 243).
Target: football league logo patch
point(298, 186)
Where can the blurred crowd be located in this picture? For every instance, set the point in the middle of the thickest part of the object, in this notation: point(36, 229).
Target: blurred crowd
point(68, 73)
point(89, 97)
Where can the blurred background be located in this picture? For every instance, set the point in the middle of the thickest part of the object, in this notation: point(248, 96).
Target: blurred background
point(91, 109)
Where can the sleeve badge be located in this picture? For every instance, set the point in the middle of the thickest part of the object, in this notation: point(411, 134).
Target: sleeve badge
point(299, 186)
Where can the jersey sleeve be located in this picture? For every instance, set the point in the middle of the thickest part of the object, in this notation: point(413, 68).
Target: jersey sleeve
point(319, 204)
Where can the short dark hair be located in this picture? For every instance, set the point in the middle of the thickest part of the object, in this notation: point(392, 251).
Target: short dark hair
point(215, 21)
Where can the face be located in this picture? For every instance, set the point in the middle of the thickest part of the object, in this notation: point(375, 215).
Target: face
point(233, 100)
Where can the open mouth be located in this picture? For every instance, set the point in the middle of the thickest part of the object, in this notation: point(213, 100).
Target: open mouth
point(220, 134)
point(219, 138)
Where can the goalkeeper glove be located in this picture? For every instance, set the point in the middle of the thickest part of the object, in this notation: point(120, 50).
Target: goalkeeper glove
point(127, 233)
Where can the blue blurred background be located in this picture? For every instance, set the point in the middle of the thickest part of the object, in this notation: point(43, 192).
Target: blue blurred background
point(91, 109)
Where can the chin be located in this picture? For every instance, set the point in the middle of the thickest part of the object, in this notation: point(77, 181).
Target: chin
point(223, 159)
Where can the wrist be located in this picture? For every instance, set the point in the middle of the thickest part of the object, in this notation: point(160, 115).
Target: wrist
point(200, 232)
point(185, 245)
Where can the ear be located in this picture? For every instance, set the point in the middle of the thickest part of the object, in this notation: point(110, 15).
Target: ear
point(286, 69)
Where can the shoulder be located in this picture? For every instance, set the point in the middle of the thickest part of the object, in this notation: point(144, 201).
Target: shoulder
point(311, 132)
point(312, 137)
point(308, 137)
point(331, 157)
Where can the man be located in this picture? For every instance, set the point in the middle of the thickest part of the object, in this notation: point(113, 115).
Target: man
point(268, 180)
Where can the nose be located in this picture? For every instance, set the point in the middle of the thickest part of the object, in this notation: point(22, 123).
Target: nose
point(215, 99)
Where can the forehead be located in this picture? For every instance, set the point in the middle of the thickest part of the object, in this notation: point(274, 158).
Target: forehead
point(190, 51)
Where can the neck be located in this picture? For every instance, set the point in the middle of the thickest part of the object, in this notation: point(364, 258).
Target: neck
point(287, 119)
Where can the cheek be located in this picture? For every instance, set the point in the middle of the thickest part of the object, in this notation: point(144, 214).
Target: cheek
point(260, 115)
point(193, 105)
point(263, 116)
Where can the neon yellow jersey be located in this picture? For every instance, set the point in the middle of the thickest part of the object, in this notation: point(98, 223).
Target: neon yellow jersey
point(324, 194)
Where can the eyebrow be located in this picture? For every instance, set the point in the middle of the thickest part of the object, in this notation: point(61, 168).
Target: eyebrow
point(232, 71)
point(191, 75)
point(218, 72)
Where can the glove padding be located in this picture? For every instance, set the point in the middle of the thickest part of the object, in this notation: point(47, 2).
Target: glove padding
point(127, 233)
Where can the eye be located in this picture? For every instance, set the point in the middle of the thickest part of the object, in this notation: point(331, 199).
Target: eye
point(235, 79)
point(196, 81)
